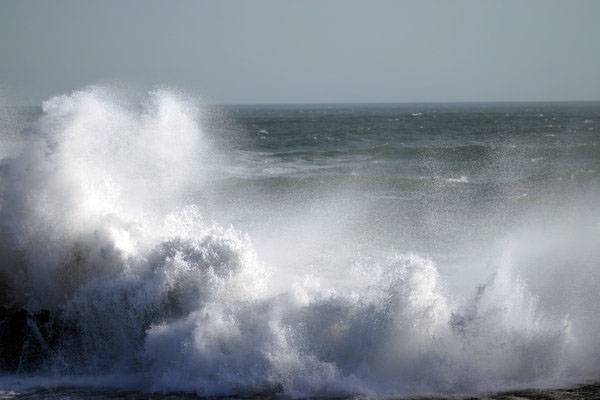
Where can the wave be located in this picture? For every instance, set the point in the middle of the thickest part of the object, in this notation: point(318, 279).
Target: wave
point(107, 255)
point(462, 179)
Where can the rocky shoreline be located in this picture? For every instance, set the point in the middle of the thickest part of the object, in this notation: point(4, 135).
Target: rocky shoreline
point(582, 392)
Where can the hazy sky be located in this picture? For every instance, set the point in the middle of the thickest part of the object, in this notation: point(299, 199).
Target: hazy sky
point(306, 51)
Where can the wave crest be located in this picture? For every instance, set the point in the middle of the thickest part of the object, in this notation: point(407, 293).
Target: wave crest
point(96, 226)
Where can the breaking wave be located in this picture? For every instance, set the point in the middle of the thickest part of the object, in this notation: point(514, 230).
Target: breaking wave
point(99, 230)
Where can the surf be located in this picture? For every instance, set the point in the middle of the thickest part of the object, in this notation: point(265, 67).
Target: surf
point(123, 280)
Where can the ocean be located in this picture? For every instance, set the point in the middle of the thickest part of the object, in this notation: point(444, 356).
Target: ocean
point(151, 243)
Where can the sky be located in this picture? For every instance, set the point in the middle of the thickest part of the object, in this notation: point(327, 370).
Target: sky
point(278, 51)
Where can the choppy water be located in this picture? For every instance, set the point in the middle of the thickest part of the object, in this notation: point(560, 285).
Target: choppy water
point(301, 250)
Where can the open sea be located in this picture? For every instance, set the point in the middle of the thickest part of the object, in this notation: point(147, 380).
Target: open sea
point(155, 247)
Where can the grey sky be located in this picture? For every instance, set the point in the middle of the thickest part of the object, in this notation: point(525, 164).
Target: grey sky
point(307, 51)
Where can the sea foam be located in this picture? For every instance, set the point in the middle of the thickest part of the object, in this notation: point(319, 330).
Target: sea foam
point(97, 225)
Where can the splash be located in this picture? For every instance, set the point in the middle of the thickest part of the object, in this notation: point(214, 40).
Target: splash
point(98, 226)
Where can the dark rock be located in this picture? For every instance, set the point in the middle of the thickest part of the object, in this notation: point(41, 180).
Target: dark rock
point(27, 339)
point(13, 327)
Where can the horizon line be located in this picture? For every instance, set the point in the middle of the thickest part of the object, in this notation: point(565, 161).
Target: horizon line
point(400, 102)
point(341, 103)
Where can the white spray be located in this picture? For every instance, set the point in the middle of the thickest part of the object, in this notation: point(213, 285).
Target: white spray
point(97, 221)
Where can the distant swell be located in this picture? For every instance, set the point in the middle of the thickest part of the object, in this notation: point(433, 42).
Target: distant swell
point(121, 275)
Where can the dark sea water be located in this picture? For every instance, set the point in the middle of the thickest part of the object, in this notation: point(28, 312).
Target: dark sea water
point(159, 246)
point(430, 178)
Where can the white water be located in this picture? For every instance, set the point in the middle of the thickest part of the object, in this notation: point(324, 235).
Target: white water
point(97, 220)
